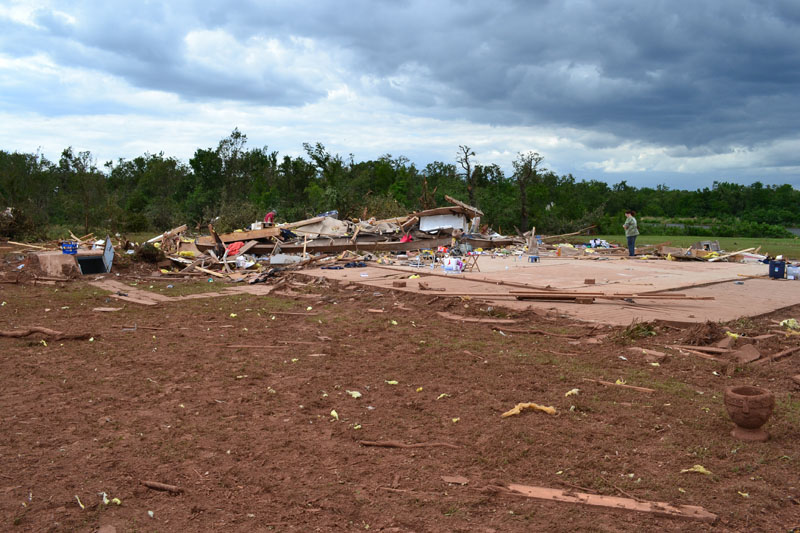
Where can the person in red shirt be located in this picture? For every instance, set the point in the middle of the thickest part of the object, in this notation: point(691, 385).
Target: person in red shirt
point(269, 218)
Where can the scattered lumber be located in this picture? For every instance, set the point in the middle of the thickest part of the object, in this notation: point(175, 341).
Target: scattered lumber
point(651, 356)
point(725, 256)
point(397, 444)
point(167, 234)
point(56, 335)
point(24, 245)
point(155, 485)
point(709, 349)
point(566, 295)
point(699, 354)
point(535, 332)
point(462, 204)
point(459, 318)
point(691, 512)
point(778, 356)
point(210, 272)
point(612, 384)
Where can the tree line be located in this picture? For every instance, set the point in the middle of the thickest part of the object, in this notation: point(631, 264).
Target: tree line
point(233, 185)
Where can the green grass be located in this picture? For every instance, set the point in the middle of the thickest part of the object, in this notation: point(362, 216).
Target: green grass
point(181, 287)
point(789, 248)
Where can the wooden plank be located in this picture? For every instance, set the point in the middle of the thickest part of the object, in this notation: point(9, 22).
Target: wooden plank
point(536, 332)
point(210, 272)
point(778, 356)
point(612, 384)
point(247, 247)
point(301, 223)
point(27, 245)
point(134, 300)
point(462, 204)
point(218, 245)
point(228, 238)
point(451, 316)
point(691, 512)
point(170, 233)
point(709, 349)
point(700, 354)
point(720, 257)
point(343, 245)
point(522, 295)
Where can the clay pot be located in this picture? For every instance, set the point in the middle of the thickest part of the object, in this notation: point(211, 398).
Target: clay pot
point(749, 408)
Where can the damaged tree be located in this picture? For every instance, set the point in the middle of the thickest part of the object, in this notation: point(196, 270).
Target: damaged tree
point(526, 169)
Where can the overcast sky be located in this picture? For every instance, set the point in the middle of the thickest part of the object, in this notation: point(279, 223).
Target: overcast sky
point(675, 92)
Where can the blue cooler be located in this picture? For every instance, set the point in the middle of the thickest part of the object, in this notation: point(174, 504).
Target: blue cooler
point(777, 269)
point(70, 248)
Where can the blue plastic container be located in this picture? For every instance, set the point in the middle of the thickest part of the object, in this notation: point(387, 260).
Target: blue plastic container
point(70, 248)
point(777, 269)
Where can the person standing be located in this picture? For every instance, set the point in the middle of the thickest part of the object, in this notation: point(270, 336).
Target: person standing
point(631, 231)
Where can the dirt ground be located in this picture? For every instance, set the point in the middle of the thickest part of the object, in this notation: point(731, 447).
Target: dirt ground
point(246, 404)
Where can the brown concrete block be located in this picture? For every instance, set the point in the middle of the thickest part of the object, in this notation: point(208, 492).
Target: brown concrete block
point(746, 354)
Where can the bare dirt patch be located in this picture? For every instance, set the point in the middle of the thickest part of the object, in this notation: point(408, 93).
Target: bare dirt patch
point(232, 400)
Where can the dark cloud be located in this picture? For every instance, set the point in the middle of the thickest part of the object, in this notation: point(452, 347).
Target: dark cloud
point(700, 77)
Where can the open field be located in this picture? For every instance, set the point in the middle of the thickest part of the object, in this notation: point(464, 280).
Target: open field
point(232, 400)
point(789, 248)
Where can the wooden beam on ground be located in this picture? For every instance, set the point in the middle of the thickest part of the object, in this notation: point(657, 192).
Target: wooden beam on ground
point(524, 295)
point(535, 332)
point(690, 512)
point(700, 354)
point(423, 272)
point(709, 349)
point(624, 386)
point(778, 356)
point(459, 318)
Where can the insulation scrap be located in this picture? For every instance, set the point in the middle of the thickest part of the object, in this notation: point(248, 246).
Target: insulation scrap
point(700, 469)
point(520, 406)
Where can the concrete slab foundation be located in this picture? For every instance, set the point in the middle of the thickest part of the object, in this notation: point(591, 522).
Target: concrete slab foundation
point(736, 292)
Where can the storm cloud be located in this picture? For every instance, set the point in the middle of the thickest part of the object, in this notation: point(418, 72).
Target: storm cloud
point(610, 90)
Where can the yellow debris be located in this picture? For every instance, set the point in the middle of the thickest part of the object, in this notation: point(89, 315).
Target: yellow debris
point(700, 469)
point(520, 406)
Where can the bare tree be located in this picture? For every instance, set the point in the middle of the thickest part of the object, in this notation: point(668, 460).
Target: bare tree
point(463, 159)
point(526, 170)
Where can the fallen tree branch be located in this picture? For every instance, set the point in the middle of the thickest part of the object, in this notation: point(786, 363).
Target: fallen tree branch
point(57, 335)
point(155, 485)
point(397, 444)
